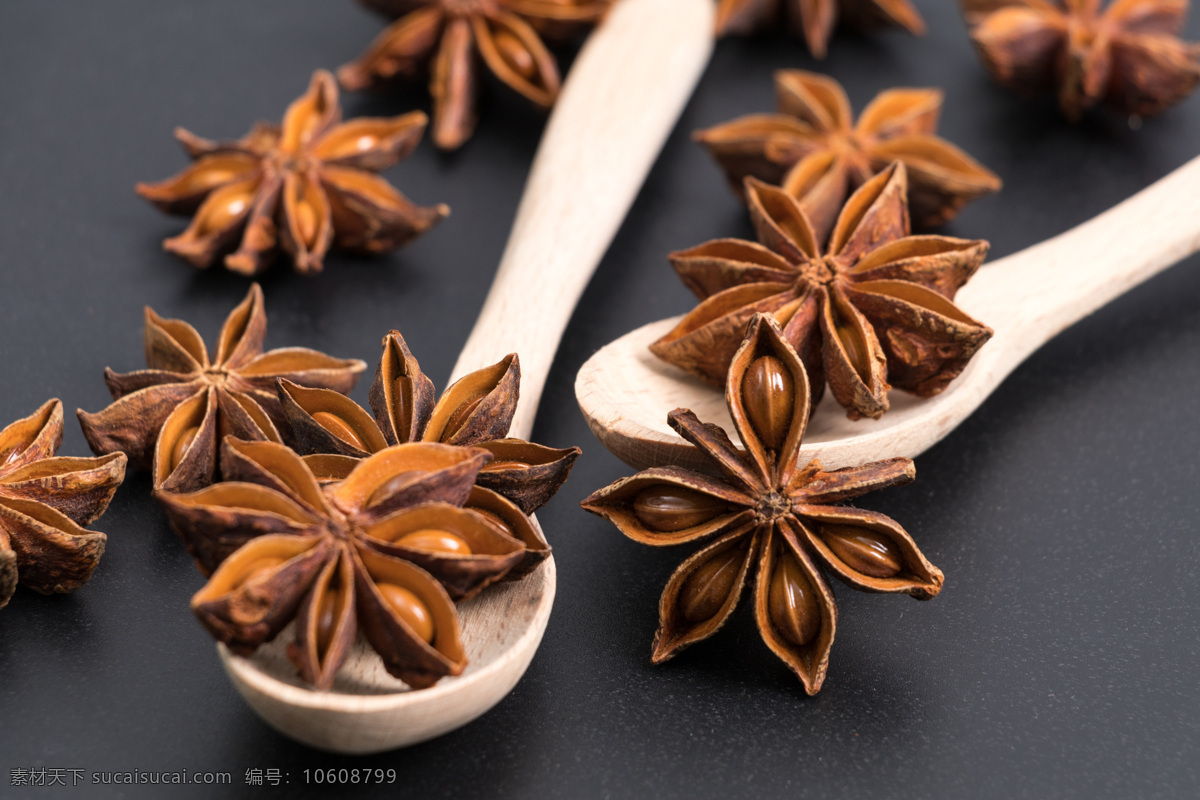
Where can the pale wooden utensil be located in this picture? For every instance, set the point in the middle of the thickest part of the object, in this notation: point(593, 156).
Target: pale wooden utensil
point(626, 90)
point(626, 392)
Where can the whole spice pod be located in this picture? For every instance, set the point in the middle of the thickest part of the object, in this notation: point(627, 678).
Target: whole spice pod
point(333, 432)
point(871, 310)
point(449, 39)
point(45, 502)
point(302, 187)
point(814, 149)
point(1127, 55)
point(386, 551)
point(765, 520)
point(169, 417)
point(814, 20)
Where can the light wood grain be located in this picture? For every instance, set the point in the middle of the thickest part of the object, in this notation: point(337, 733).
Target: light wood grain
point(621, 100)
point(625, 392)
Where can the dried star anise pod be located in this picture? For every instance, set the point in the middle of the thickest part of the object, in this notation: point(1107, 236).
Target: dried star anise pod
point(1128, 56)
point(873, 307)
point(814, 20)
point(305, 186)
point(44, 504)
point(476, 411)
point(448, 38)
point(386, 551)
point(815, 150)
point(170, 416)
point(767, 520)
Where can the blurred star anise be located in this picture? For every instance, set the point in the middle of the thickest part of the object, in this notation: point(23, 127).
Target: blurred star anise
point(814, 20)
point(1127, 56)
point(767, 520)
point(448, 38)
point(871, 308)
point(170, 417)
point(306, 186)
point(476, 411)
point(815, 150)
point(386, 551)
point(44, 504)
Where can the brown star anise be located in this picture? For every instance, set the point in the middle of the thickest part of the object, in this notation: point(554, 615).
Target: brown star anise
point(169, 417)
point(45, 501)
point(385, 551)
point(447, 38)
point(766, 513)
point(814, 20)
point(306, 186)
point(813, 148)
point(872, 307)
point(1128, 56)
point(476, 412)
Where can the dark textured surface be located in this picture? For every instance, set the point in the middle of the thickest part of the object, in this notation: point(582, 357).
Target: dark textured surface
point(1061, 659)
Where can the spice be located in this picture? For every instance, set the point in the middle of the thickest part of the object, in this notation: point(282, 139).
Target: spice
point(766, 520)
point(386, 551)
point(814, 20)
point(1127, 56)
point(446, 39)
point(871, 308)
point(170, 416)
point(814, 149)
point(305, 186)
point(476, 411)
point(45, 502)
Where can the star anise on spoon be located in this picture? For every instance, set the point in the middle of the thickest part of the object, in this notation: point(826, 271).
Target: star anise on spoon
point(814, 149)
point(766, 520)
point(871, 310)
point(305, 186)
point(814, 20)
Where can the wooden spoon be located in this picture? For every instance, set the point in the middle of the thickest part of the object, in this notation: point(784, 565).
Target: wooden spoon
point(626, 90)
point(625, 392)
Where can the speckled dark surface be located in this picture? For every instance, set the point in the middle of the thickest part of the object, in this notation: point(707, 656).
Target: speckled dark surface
point(1061, 660)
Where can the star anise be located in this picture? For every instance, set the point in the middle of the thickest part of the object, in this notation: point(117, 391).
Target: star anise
point(813, 148)
point(476, 411)
point(448, 38)
point(814, 20)
point(767, 520)
point(170, 417)
point(871, 308)
point(1127, 56)
point(306, 186)
point(44, 504)
point(385, 551)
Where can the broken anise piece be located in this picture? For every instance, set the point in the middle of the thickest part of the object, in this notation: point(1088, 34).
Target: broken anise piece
point(386, 551)
point(45, 502)
point(814, 20)
point(476, 411)
point(448, 38)
point(767, 520)
point(815, 150)
point(170, 416)
point(305, 186)
point(871, 308)
point(1128, 56)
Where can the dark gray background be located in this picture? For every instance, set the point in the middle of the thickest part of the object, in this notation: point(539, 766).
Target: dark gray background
point(1060, 660)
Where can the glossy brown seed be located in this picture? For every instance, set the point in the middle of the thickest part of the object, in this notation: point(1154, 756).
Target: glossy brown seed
point(222, 208)
point(854, 349)
point(460, 415)
point(259, 568)
point(496, 466)
point(515, 54)
point(672, 508)
point(391, 485)
point(402, 390)
point(410, 609)
point(435, 541)
point(327, 617)
point(338, 427)
point(707, 589)
point(792, 603)
point(863, 550)
point(181, 446)
point(769, 397)
point(306, 223)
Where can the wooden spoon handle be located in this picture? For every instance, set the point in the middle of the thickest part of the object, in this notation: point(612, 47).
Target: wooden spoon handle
point(1029, 297)
point(623, 96)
